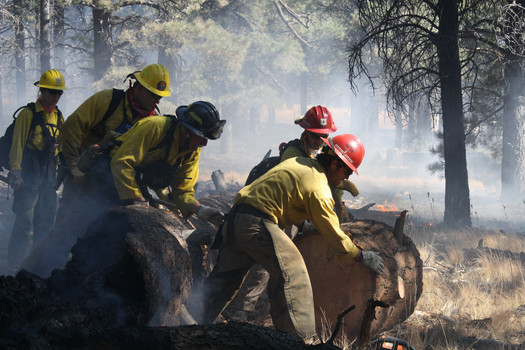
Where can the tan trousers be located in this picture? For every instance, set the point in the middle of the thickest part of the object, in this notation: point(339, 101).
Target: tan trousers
point(257, 240)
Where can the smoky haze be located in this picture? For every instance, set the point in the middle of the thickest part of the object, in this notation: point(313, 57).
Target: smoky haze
point(397, 177)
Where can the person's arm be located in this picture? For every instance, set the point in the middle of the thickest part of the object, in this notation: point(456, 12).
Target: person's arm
point(77, 126)
point(183, 185)
point(20, 136)
point(320, 210)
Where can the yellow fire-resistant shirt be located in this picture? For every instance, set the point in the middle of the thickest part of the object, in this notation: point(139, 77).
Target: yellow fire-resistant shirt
point(295, 190)
point(137, 149)
point(34, 139)
point(79, 130)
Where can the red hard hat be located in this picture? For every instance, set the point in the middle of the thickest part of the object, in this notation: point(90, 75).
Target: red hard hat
point(349, 148)
point(318, 119)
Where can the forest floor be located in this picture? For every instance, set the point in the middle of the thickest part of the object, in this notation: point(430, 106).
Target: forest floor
point(468, 301)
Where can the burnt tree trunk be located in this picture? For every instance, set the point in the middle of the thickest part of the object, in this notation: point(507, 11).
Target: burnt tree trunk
point(457, 196)
point(102, 32)
point(45, 35)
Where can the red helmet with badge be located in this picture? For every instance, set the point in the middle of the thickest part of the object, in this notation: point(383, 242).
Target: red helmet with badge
point(317, 119)
point(348, 148)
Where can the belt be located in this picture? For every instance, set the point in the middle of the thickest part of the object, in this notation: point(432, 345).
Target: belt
point(244, 208)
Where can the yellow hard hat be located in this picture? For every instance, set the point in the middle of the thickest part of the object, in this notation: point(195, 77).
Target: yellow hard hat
point(51, 79)
point(155, 78)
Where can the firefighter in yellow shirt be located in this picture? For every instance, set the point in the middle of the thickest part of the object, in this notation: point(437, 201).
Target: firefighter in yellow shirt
point(163, 151)
point(318, 123)
point(293, 191)
point(108, 111)
point(32, 162)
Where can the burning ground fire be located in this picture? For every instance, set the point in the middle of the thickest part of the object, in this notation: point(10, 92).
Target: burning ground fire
point(386, 207)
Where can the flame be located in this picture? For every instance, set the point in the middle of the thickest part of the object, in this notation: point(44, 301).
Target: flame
point(387, 207)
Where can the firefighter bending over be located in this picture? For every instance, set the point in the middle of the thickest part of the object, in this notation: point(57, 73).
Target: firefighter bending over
point(161, 152)
point(293, 191)
point(107, 111)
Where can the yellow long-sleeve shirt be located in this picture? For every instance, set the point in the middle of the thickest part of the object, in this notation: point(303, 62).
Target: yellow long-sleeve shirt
point(32, 139)
point(138, 150)
point(295, 190)
point(80, 131)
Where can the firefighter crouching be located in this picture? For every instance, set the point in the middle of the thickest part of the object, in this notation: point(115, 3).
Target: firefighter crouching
point(291, 192)
point(32, 162)
point(163, 152)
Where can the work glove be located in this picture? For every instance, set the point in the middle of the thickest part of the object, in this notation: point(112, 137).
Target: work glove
point(14, 178)
point(372, 260)
point(349, 186)
point(212, 215)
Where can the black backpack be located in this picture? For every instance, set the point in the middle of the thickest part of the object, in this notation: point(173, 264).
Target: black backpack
point(269, 162)
point(7, 140)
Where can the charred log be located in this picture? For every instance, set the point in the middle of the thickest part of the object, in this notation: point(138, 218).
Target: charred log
point(132, 270)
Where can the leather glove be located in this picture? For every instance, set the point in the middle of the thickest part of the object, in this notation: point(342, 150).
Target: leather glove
point(372, 260)
point(212, 215)
point(349, 186)
point(14, 178)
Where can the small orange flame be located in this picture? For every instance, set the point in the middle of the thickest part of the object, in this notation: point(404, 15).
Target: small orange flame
point(387, 207)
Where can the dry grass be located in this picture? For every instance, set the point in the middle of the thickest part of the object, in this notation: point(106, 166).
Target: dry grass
point(466, 295)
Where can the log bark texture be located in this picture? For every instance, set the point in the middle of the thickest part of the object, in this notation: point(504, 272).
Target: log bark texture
point(339, 284)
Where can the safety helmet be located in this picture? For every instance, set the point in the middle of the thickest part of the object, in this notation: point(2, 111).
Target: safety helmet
point(317, 119)
point(155, 78)
point(202, 118)
point(348, 148)
point(51, 79)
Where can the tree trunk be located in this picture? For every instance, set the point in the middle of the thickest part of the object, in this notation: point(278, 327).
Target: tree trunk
point(45, 35)
point(20, 49)
point(457, 196)
point(59, 31)
point(102, 32)
point(399, 128)
point(513, 149)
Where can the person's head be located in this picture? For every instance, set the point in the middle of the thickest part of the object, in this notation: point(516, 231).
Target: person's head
point(202, 121)
point(152, 84)
point(340, 157)
point(52, 85)
point(318, 123)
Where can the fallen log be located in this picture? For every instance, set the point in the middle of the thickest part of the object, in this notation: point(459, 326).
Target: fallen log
point(339, 284)
point(122, 289)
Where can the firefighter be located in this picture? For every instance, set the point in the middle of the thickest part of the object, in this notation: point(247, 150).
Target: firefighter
point(104, 112)
point(293, 191)
point(145, 158)
point(32, 162)
point(317, 123)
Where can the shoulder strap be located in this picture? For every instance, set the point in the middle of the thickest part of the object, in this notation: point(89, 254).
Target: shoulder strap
point(38, 119)
point(168, 137)
point(295, 143)
point(116, 97)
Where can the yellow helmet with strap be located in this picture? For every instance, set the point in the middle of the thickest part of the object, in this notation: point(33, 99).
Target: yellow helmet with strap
point(155, 78)
point(51, 79)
